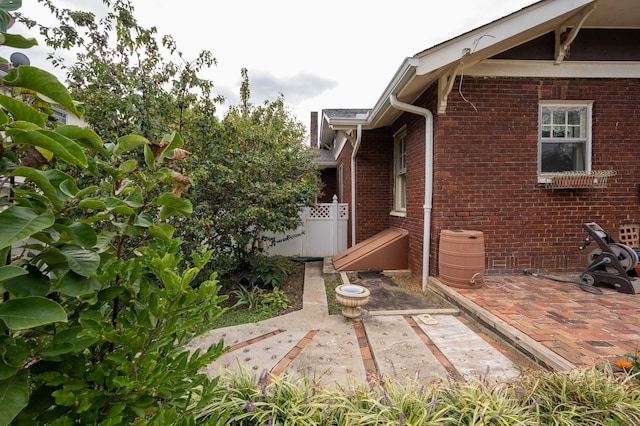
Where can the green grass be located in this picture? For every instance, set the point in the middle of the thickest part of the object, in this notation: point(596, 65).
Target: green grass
point(237, 316)
point(330, 289)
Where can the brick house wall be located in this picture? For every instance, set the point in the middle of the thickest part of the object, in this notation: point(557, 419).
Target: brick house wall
point(374, 164)
point(485, 172)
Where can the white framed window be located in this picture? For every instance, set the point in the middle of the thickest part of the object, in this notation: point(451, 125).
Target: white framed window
point(400, 172)
point(564, 137)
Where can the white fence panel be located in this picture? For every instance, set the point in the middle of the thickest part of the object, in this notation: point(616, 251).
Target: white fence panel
point(323, 232)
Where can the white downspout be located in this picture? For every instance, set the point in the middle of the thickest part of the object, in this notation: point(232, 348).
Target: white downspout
point(356, 147)
point(428, 179)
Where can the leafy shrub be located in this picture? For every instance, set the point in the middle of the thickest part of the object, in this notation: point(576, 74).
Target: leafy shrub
point(98, 301)
point(274, 301)
point(248, 296)
point(269, 271)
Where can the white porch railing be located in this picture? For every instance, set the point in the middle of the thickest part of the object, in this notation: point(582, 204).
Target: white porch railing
point(323, 232)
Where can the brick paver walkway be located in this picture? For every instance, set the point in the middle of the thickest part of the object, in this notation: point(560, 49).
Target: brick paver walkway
point(577, 325)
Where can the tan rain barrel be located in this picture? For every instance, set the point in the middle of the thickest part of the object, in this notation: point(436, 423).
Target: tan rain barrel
point(460, 257)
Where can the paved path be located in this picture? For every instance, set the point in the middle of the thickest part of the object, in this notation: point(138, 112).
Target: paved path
point(328, 349)
point(577, 326)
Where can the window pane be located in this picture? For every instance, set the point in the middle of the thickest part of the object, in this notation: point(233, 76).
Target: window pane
point(574, 117)
point(546, 117)
point(563, 157)
point(573, 132)
point(402, 188)
point(559, 132)
point(559, 117)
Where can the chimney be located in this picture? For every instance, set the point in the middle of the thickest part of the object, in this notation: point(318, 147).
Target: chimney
point(313, 130)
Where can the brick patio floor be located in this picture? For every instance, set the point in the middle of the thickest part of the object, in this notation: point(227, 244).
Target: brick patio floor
point(579, 326)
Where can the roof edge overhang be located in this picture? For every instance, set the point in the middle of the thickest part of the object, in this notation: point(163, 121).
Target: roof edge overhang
point(466, 50)
point(330, 125)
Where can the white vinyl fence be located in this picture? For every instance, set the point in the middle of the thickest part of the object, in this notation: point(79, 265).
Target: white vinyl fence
point(323, 232)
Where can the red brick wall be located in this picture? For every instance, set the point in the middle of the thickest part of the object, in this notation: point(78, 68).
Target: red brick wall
point(486, 170)
point(344, 159)
point(374, 165)
point(413, 221)
point(485, 173)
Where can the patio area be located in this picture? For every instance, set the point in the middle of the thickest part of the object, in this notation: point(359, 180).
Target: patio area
point(577, 326)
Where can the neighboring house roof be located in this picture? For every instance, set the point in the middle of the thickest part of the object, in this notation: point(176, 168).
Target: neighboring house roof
point(324, 158)
point(470, 54)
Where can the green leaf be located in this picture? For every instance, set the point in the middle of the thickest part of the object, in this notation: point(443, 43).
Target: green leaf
point(8, 272)
point(64, 397)
point(10, 5)
point(129, 142)
point(32, 283)
point(172, 205)
point(135, 199)
point(118, 206)
point(5, 21)
point(41, 180)
point(12, 356)
point(85, 136)
point(42, 82)
point(163, 231)
point(70, 340)
point(92, 203)
point(30, 312)
point(144, 220)
point(128, 166)
point(19, 223)
point(17, 41)
point(63, 147)
point(173, 141)
point(22, 111)
point(84, 235)
point(14, 396)
point(82, 262)
point(75, 285)
point(149, 158)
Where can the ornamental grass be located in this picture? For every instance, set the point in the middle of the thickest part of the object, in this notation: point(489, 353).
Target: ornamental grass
point(585, 396)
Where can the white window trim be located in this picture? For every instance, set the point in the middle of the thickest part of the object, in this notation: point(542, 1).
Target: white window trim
point(399, 136)
point(544, 177)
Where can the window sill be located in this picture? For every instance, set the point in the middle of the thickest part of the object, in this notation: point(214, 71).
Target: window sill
point(398, 213)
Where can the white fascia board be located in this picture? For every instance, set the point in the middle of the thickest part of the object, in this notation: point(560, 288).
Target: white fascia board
point(403, 75)
point(495, 32)
point(567, 69)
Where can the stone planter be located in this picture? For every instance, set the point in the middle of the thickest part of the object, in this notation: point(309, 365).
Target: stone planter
point(352, 297)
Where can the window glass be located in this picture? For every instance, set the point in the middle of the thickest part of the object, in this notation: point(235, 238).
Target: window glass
point(400, 171)
point(564, 140)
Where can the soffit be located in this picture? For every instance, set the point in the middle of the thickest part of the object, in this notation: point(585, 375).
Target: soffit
point(489, 40)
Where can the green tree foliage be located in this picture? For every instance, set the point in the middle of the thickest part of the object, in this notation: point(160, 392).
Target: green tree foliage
point(252, 176)
point(121, 74)
point(250, 170)
point(97, 299)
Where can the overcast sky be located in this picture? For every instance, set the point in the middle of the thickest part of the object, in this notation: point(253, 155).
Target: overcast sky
point(319, 54)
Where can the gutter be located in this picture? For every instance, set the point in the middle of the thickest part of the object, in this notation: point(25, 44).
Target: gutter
point(356, 147)
point(428, 179)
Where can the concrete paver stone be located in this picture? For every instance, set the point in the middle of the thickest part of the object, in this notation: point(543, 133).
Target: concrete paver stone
point(399, 353)
point(472, 356)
